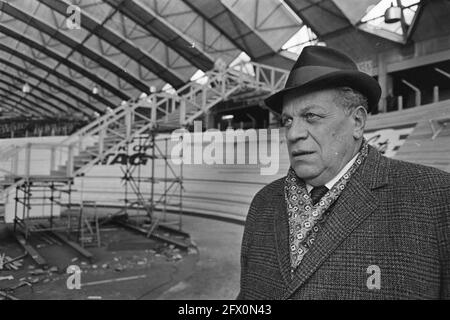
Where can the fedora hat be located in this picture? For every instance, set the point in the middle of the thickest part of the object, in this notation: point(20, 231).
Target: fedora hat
point(320, 67)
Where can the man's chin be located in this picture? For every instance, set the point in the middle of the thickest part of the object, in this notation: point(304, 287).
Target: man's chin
point(305, 172)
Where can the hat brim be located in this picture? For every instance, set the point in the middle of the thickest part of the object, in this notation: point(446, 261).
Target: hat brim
point(357, 80)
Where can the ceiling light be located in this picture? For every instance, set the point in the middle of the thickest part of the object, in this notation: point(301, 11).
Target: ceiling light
point(26, 88)
point(95, 90)
point(393, 14)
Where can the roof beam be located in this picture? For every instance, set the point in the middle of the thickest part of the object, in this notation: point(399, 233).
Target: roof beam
point(332, 20)
point(56, 74)
point(11, 89)
point(58, 88)
point(13, 104)
point(239, 32)
point(165, 32)
point(52, 106)
point(52, 71)
point(122, 44)
point(45, 92)
point(44, 27)
point(9, 107)
point(25, 103)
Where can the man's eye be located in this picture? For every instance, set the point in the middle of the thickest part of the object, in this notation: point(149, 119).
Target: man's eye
point(311, 116)
point(286, 122)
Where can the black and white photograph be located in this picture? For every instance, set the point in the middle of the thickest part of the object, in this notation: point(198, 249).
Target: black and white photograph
point(218, 156)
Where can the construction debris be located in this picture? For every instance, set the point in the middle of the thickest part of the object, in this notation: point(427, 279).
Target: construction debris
point(40, 261)
point(116, 261)
point(119, 268)
point(37, 272)
point(113, 280)
point(5, 293)
point(33, 280)
point(7, 296)
point(9, 263)
point(53, 269)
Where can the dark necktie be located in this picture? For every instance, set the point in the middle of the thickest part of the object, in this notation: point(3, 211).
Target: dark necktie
point(317, 193)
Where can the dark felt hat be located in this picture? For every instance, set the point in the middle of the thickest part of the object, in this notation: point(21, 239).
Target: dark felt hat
point(320, 67)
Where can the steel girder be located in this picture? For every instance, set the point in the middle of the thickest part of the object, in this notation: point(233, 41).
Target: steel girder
point(52, 78)
point(13, 106)
point(20, 101)
point(259, 28)
point(21, 109)
point(40, 89)
point(76, 71)
point(8, 107)
point(165, 32)
point(202, 33)
point(323, 16)
point(68, 97)
point(124, 47)
point(17, 85)
point(35, 19)
point(331, 25)
point(333, 20)
point(121, 39)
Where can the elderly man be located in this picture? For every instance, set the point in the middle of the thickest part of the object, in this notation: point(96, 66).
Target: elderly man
point(346, 222)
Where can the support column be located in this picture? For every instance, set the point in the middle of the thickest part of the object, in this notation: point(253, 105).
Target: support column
point(209, 120)
point(273, 121)
point(383, 82)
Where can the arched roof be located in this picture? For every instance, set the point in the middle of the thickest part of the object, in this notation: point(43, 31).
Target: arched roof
point(125, 47)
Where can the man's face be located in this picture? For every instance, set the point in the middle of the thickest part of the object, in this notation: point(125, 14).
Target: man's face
point(319, 134)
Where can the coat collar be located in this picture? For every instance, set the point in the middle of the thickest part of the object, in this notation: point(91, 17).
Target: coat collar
point(354, 205)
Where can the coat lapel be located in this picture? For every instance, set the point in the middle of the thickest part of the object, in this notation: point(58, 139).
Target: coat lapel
point(281, 232)
point(354, 205)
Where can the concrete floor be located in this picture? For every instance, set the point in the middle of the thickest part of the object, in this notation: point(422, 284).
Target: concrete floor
point(210, 272)
point(217, 273)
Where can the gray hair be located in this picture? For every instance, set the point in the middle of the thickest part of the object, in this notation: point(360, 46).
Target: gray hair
point(350, 98)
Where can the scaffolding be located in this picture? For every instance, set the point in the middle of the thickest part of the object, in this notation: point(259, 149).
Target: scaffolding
point(43, 192)
point(140, 186)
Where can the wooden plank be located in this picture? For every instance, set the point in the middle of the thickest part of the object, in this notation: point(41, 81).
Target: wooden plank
point(176, 243)
point(85, 253)
point(172, 230)
point(40, 261)
point(145, 232)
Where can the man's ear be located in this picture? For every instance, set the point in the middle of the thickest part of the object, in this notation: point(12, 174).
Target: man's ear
point(359, 116)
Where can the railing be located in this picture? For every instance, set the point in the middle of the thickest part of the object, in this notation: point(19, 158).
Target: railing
point(20, 161)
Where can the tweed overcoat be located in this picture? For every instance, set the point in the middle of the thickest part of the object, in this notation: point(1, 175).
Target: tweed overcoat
point(392, 222)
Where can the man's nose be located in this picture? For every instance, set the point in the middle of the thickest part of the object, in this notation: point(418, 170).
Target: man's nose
point(297, 131)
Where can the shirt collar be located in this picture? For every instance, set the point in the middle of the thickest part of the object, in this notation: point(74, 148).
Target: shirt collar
point(331, 183)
